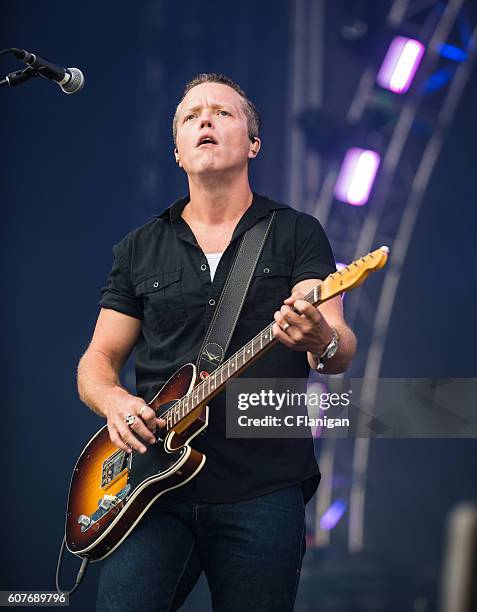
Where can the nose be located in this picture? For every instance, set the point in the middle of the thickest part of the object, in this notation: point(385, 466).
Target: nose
point(206, 120)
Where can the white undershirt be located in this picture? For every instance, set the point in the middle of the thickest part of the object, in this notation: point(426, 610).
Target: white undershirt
point(213, 259)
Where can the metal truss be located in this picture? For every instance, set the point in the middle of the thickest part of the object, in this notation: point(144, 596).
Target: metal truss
point(408, 156)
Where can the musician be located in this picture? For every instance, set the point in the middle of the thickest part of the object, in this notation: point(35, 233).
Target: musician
point(241, 519)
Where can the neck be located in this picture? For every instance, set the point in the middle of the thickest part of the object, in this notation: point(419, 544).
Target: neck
point(215, 202)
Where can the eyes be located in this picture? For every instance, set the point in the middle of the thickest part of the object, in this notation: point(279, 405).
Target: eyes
point(220, 112)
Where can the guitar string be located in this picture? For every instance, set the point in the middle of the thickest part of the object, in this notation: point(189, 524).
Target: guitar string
point(314, 296)
point(314, 293)
point(265, 333)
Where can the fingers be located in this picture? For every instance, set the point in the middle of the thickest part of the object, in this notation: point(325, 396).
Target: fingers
point(148, 415)
point(127, 436)
point(282, 336)
point(296, 295)
point(287, 319)
point(116, 438)
point(140, 432)
point(296, 324)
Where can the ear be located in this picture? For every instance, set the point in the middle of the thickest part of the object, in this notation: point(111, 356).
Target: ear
point(255, 144)
point(178, 160)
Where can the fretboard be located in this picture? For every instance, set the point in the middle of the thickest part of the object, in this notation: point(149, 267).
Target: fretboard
point(216, 381)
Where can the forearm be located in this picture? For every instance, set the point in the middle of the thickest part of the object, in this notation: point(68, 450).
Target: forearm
point(99, 385)
point(341, 361)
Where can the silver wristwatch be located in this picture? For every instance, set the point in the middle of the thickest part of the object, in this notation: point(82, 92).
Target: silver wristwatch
point(329, 352)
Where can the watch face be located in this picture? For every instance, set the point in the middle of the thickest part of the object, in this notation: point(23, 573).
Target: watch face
point(332, 347)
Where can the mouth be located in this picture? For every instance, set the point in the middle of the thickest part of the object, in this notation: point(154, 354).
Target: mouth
point(206, 140)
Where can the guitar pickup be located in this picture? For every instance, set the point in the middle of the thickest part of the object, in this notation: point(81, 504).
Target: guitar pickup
point(114, 466)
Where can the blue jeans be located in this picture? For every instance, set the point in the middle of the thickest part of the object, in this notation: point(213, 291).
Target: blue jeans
point(250, 551)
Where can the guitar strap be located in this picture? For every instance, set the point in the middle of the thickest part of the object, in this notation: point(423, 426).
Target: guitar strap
point(232, 299)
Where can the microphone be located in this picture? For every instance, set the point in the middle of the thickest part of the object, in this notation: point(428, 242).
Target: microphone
point(70, 80)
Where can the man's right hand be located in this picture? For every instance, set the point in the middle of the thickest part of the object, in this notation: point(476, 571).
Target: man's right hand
point(99, 386)
point(134, 436)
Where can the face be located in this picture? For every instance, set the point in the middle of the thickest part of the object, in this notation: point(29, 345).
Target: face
point(212, 132)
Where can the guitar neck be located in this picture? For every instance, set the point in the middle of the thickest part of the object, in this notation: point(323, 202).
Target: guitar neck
point(342, 280)
point(234, 365)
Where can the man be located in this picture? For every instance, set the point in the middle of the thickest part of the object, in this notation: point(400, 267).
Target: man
point(241, 520)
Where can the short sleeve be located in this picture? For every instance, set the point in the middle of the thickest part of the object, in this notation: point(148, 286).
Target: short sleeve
point(313, 255)
point(118, 294)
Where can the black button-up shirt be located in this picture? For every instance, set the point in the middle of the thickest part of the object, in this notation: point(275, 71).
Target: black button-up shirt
point(161, 276)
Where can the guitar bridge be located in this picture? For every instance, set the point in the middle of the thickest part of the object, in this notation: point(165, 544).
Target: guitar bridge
point(105, 504)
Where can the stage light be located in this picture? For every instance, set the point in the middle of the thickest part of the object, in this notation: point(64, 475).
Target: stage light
point(453, 53)
point(356, 176)
point(332, 516)
point(400, 64)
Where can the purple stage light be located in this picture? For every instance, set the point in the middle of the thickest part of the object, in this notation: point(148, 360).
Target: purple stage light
point(356, 176)
point(332, 516)
point(400, 64)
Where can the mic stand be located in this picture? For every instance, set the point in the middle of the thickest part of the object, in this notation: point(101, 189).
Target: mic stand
point(20, 76)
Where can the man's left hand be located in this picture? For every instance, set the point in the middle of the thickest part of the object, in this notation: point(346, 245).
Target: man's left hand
point(305, 330)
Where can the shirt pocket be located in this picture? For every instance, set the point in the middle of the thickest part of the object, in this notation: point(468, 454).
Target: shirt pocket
point(163, 300)
point(269, 287)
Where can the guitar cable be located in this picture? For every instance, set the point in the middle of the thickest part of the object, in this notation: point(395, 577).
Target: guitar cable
point(79, 576)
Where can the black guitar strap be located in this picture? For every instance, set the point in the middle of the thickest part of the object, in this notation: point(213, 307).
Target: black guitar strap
point(232, 299)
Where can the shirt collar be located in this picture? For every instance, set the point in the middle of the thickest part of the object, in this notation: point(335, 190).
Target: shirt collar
point(261, 206)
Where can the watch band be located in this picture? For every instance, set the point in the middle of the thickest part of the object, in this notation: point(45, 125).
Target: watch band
point(329, 352)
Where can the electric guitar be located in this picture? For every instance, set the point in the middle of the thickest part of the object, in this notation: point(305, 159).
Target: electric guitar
point(111, 489)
